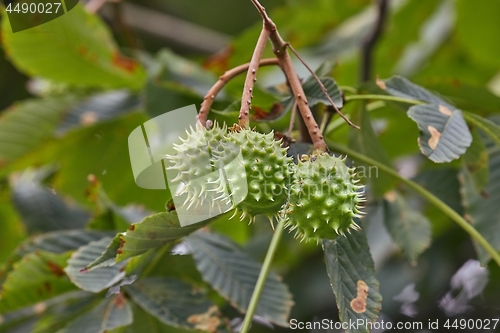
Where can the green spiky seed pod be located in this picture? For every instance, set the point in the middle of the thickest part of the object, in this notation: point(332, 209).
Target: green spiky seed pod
point(263, 188)
point(324, 198)
point(197, 156)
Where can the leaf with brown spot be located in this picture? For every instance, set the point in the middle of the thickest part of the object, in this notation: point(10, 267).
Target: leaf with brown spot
point(380, 83)
point(154, 231)
point(435, 136)
point(208, 321)
point(402, 87)
point(57, 242)
point(275, 113)
point(359, 303)
point(111, 313)
point(33, 279)
point(438, 117)
point(76, 49)
point(96, 280)
point(125, 63)
point(174, 303)
point(145, 322)
point(352, 276)
point(55, 269)
point(444, 110)
point(443, 137)
point(120, 301)
point(218, 62)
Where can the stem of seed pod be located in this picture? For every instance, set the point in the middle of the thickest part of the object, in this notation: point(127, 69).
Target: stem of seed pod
point(246, 97)
point(285, 62)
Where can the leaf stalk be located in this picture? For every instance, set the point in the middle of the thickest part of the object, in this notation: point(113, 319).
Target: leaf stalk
point(264, 272)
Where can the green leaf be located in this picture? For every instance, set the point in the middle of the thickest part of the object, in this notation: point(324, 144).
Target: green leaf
point(475, 23)
point(234, 275)
point(352, 276)
point(465, 96)
point(443, 183)
point(153, 232)
point(177, 82)
point(491, 129)
point(98, 108)
point(102, 152)
point(60, 241)
point(315, 94)
point(110, 216)
point(444, 135)
point(99, 279)
point(111, 313)
point(25, 125)
point(42, 210)
point(416, 29)
point(408, 227)
point(189, 74)
point(476, 162)
point(165, 96)
point(63, 311)
point(367, 142)
point(35, 278)
point(57, 242)
point(482, 209)
point(11, 227)
point(175, 303)
point(77, 48)
point(402, 87)
point(144, 322)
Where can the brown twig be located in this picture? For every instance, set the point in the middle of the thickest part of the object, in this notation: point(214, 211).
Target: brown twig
point(371, 41)
point(322, 86)
point(246, 97)
point(285, 62)
point(217, 87)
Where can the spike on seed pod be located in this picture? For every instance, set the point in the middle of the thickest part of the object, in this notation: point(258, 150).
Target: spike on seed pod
point(196, 156)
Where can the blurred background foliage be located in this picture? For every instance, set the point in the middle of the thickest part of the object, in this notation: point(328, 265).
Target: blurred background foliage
point(68, 110)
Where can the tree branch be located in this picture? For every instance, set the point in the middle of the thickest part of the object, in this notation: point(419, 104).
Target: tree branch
point(217, 87)
point(371, 41)
point(322, 86)
point(246, 97)
point(285, 62)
